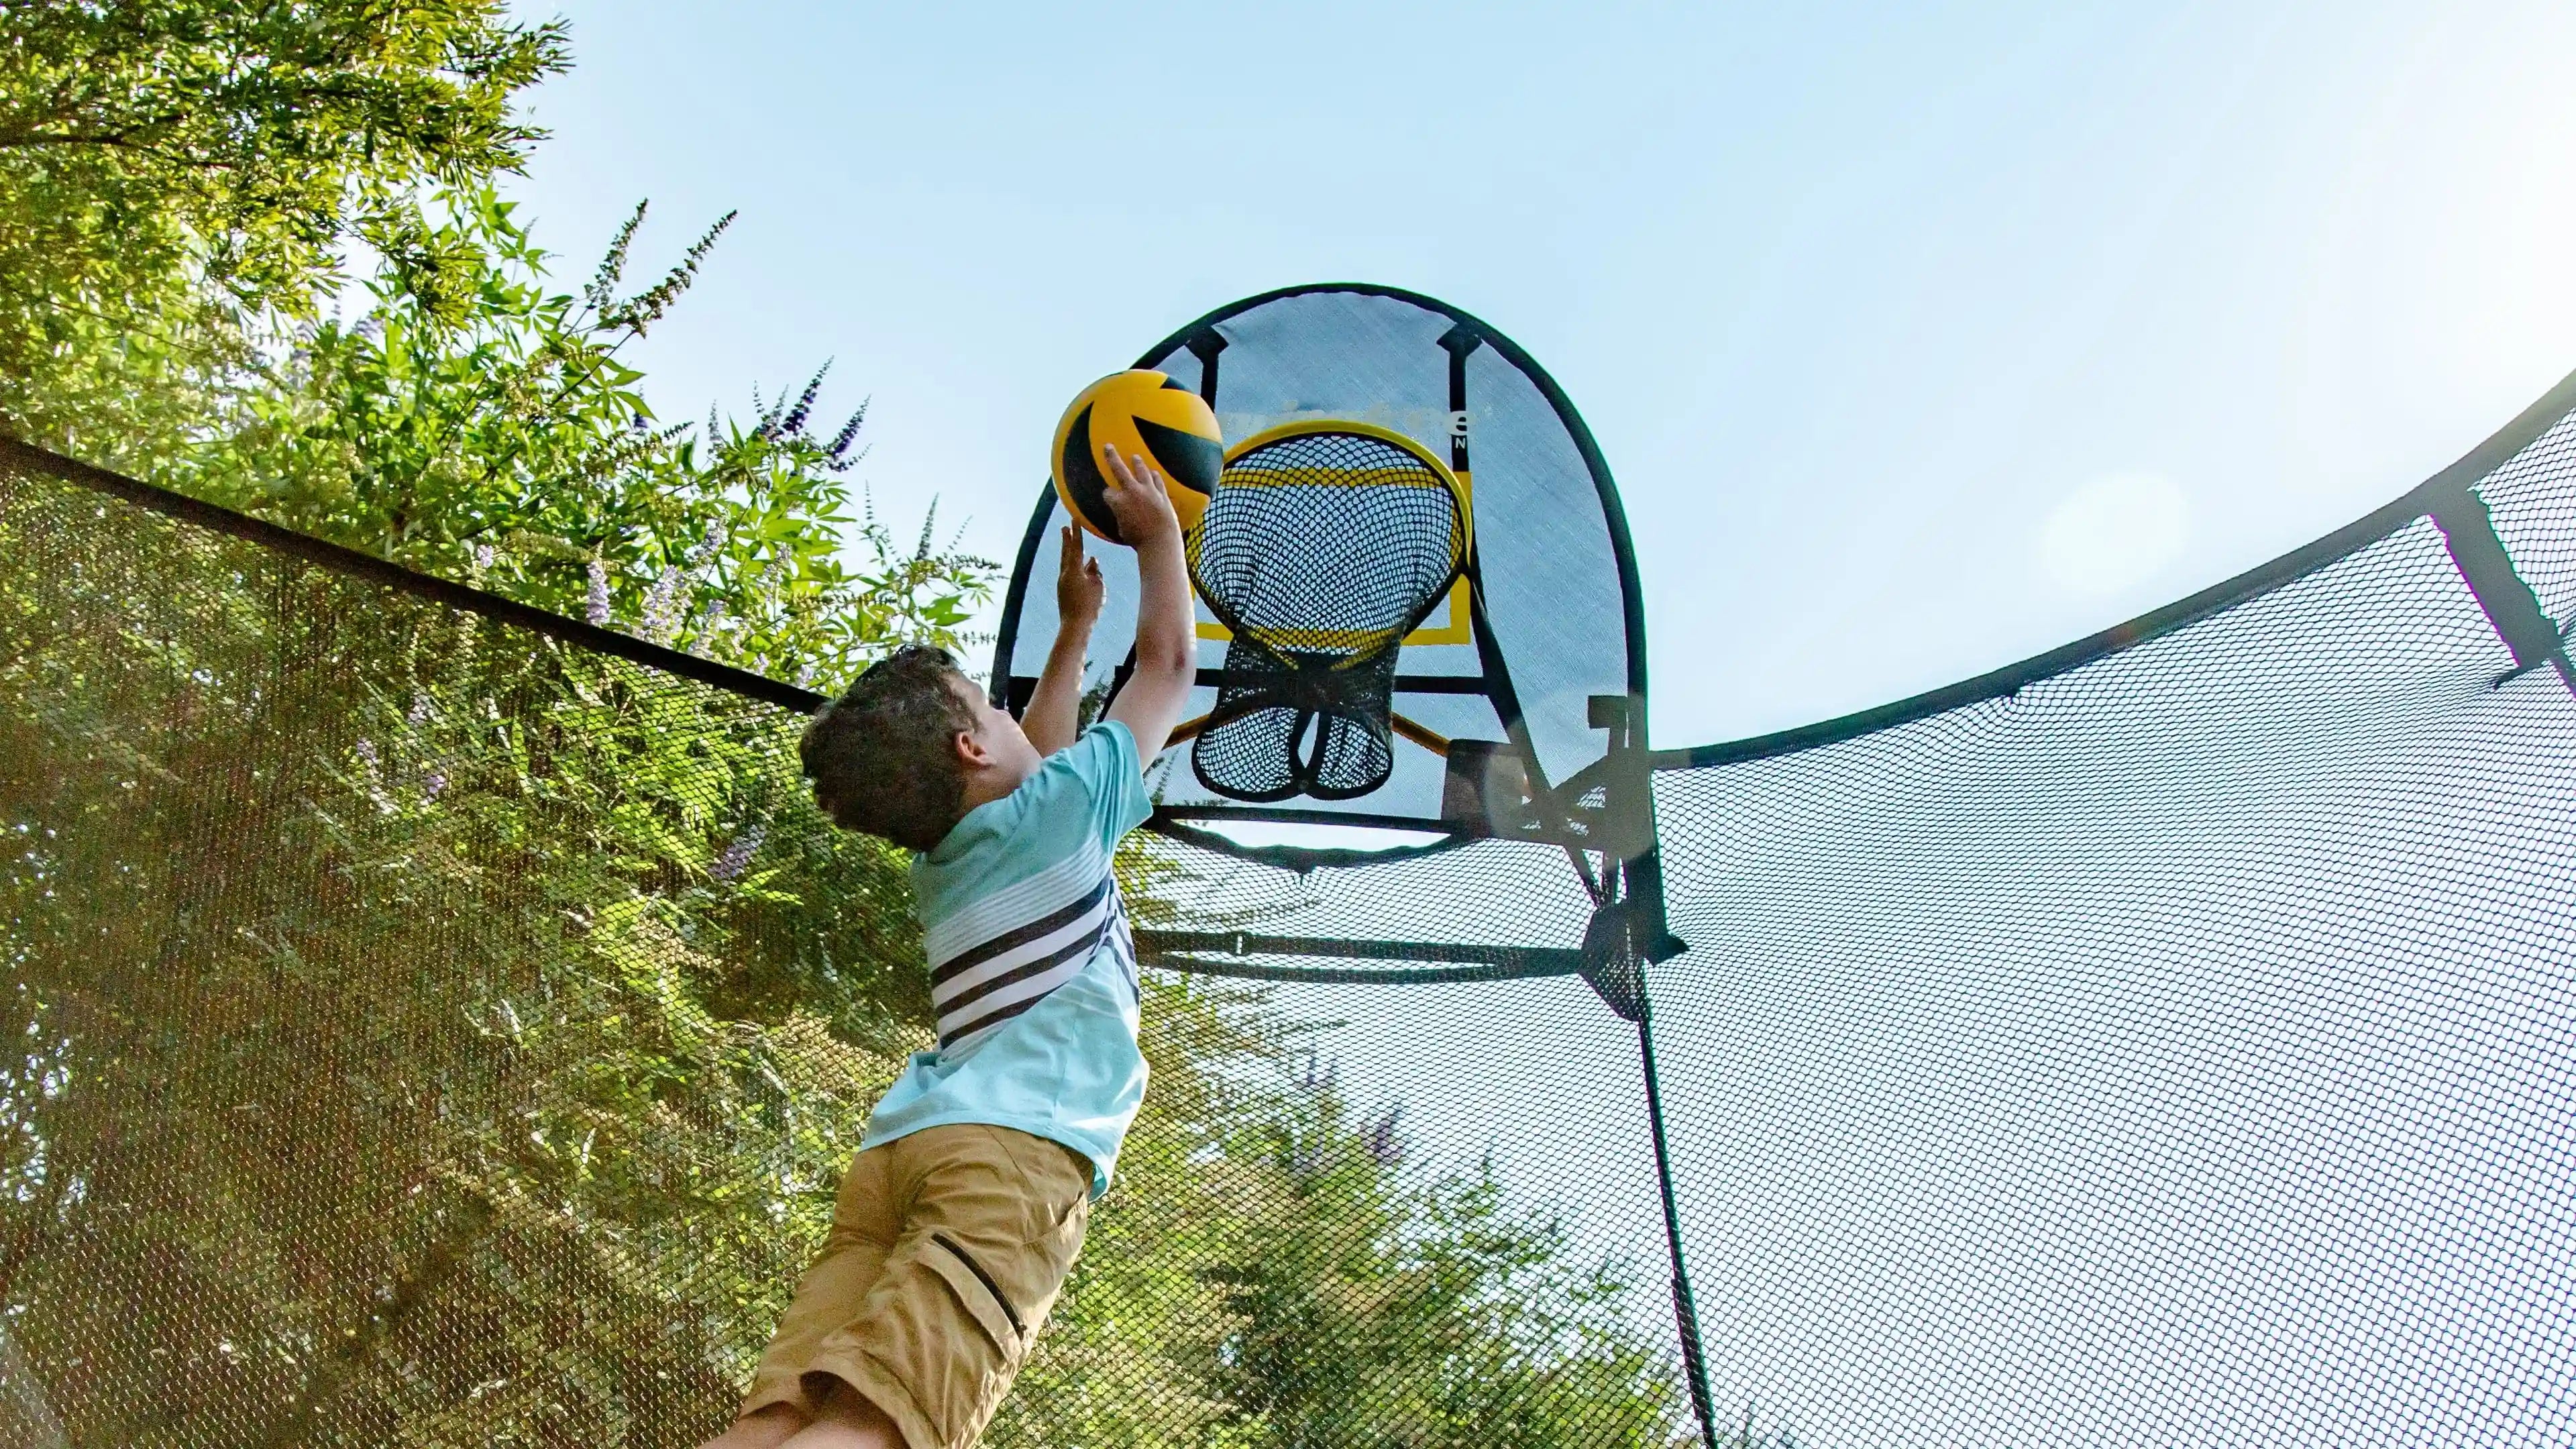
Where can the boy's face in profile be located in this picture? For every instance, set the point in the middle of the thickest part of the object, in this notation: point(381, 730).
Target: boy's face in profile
point(1001, 753)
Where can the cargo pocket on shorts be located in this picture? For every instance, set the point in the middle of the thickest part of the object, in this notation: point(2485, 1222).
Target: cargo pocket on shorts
point(982, 1294)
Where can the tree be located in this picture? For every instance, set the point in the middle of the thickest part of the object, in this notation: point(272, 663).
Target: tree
point(167, 164)
point(509, 915)
point(478, 423)
point(362, 958)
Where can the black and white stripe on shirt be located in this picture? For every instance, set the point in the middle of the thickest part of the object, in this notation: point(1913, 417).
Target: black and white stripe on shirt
point(979, 986)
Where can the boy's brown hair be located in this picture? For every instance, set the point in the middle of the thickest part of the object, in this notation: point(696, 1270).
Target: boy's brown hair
point(882, 757)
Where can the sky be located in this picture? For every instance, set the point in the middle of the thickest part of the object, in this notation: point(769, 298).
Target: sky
point(1920, 339)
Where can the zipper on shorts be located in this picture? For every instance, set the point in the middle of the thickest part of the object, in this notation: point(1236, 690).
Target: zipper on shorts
point(962, 1256)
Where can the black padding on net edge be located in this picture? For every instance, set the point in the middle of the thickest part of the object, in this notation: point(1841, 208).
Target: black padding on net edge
point(340, 558)
point(2445, 492)
point(2442, 493)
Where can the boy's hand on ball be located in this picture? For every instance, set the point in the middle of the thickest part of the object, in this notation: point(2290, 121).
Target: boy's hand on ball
point(1079, 588)
point(1138, 498)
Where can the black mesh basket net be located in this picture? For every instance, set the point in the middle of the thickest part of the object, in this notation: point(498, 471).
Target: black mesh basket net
point(2165, 1041)
point(1319, 552)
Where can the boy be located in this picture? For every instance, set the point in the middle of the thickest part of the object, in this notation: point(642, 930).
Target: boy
point(966, 1204)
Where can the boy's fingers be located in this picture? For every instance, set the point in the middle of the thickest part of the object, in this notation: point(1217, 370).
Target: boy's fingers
point(1118, 466)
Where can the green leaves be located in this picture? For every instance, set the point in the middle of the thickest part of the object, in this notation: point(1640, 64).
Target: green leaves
point(478, 423)
point(172, 169)
point(246, 134)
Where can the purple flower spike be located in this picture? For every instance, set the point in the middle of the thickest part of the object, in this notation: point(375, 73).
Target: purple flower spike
point(1383, 1143)
point(661, 606)
point(734, 857)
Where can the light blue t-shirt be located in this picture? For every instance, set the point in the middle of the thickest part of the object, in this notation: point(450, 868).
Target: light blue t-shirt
point(1032, 970)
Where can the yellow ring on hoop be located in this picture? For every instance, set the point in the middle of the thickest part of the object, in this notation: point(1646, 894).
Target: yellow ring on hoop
point(1229, 477)
point(1301, 427)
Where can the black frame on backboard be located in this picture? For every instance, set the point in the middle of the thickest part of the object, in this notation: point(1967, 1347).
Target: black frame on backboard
point(1466, 334)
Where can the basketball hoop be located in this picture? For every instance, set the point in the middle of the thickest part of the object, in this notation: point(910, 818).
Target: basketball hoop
point(1324, 544)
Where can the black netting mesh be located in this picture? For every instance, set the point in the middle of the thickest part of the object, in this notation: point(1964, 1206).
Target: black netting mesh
point(1335, 542)
point(2177, 1051)
point(1319, 551)
point(1294, 722)
point(432, 1033)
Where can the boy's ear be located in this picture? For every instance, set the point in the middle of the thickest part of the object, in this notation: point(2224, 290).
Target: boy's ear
point(970, 750)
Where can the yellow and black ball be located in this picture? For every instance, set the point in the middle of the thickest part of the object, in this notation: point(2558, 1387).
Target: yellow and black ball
point(1139, 412)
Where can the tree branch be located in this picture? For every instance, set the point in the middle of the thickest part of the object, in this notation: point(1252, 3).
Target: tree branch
point(14, 139)
point(404, 1296)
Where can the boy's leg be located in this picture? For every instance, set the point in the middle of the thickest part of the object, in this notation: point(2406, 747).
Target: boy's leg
point(763, 1428)
point(992, 1220)
point(844, 1421)
point(866, 1217)
point(847, 1421)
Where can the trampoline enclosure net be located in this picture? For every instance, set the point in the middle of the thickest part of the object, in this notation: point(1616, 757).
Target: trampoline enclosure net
point(430, 1032)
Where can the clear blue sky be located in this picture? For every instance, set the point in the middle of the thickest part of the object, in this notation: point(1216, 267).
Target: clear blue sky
point(1919, 338)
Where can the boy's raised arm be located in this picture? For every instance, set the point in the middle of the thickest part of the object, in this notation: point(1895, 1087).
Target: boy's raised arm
point(1055, 707)
point(1167, 649)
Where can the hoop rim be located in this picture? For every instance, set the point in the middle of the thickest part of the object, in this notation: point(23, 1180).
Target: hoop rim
point(1461, 565)
point(1622, 550)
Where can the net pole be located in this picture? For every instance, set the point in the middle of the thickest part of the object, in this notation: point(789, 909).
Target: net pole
point(1685, 1309)
point(1636, 888)
point(2512, 609)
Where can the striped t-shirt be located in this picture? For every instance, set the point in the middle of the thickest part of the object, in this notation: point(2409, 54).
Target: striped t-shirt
point(1032, 971)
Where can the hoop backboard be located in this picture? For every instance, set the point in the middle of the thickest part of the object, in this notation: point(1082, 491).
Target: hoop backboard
point(1493, 689)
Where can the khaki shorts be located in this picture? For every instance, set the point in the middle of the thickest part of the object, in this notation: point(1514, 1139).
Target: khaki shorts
point(947, 1249)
